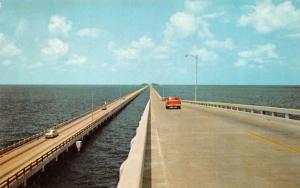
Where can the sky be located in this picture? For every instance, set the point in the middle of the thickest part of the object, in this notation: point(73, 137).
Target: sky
point(132, 41)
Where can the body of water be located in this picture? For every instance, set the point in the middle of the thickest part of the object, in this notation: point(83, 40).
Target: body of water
point(25, 110)
point(276, 96)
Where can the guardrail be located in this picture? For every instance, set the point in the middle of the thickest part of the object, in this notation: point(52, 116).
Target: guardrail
point(33, 165)
point(38, 135)
point(155, 91)
point(131, 171)
point(292, 114)
point(38, 161)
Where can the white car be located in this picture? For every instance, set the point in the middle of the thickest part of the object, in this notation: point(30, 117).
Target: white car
point(51, 133)
point(104, 107)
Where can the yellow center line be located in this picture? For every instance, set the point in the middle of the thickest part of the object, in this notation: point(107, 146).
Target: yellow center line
point(274, 142)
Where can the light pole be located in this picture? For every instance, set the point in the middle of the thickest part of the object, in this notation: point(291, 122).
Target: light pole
point(92, 106)
point(196, 58)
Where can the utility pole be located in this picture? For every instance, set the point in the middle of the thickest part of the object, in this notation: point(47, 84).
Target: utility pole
point(196, 77)
point(92, 106)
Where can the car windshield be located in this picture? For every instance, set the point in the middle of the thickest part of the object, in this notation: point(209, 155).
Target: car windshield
point(172, 98)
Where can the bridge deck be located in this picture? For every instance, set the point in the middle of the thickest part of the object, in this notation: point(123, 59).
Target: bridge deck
point(14, 160)
point(199, 146)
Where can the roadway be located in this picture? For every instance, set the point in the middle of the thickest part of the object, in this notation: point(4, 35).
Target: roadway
point(14, 160)
point(200, 146)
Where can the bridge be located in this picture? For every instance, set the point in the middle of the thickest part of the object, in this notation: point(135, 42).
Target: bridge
point(22, 160)
point(208, 144)
point(205, 144)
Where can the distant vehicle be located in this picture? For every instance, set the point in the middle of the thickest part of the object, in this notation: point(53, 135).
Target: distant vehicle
point(51, 133)
point(172, 102)
point(104, 107)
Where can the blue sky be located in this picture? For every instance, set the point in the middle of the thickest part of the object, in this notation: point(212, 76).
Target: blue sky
point(131, 42)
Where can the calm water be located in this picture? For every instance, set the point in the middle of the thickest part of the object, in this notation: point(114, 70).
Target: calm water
point(25, 110)
point(277, 96)
point(97, 165)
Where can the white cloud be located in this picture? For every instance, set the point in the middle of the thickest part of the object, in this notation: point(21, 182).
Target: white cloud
point(89, 32)
point(181, 25)
point(266, 16)
point(59, 25)
point(257, 57)
point(204, 31)
point(240, 63)
point(126, 54)
point(214, 15)
point(161, 52)
point(262, 51)
point(134, 49)
point(77, 60)
point(195, 5)
point(204, 54)
point(8, 48)
point(226, 44)
point(143, 42)
point(55, 48)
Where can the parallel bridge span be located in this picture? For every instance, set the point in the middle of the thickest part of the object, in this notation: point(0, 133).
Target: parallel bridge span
point(29, 156)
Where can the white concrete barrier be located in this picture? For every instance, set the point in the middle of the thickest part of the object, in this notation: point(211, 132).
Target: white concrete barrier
point(292, 114)
point(131, 171)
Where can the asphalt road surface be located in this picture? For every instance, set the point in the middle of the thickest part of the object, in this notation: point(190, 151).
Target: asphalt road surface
point(207, 147)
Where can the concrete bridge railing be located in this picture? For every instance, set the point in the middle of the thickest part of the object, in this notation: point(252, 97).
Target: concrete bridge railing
point(262, 110)
point(21, 176)
point(292, 114)
point(131, 171)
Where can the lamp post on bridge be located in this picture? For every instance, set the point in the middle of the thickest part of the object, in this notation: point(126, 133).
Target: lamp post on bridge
point(92, 106)
point(196, 79)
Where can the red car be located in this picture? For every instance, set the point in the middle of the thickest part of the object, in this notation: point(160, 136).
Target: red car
point(173, 102)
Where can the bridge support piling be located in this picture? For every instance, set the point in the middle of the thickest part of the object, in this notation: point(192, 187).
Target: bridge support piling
point(25, 182)
point(43, 169)
point(78, 145)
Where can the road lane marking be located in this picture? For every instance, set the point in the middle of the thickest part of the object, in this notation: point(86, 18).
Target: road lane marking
point(274, 142)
